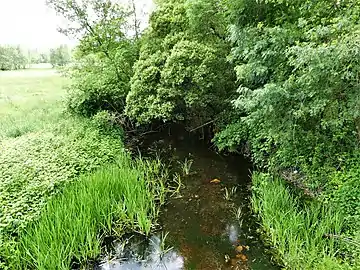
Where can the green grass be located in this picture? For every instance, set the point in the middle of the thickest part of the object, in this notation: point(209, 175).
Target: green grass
point(29, 101)
point(297, 233)
point(111, 201)
point(35, 166)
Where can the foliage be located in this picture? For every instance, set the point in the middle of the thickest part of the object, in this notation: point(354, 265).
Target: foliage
point(297, 232)
point(298, 86)
point(60, 56)
point(345, 192)
point(12, 58)
point(98, 84)
point(111, 201)
point(298, 104)
point(35, 165)
point(182, 73)
point(104, 57)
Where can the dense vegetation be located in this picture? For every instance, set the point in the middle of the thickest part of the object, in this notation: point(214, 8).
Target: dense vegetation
point(275, 79)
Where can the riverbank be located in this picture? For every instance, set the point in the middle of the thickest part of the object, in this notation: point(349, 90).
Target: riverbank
point(304, 233)
point(49, 162)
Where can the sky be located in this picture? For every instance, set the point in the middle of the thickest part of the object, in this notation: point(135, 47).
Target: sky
point(32, 24)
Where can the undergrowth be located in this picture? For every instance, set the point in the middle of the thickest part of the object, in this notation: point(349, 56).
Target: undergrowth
point(297, 231)
point(36, 166)
point(117, 198)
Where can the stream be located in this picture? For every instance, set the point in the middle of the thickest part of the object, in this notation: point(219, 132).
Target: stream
point(208, 225)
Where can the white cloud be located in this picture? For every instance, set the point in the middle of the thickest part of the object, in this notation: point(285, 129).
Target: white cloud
point(31, 24)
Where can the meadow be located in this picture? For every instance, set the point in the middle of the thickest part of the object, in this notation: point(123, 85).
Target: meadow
point(66, 181)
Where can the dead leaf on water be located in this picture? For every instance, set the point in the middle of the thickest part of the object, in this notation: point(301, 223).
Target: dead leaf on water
point(242, 257)
point(215, 181)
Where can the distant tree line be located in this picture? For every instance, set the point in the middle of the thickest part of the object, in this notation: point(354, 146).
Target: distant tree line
point(60, 56)
point(15, 58)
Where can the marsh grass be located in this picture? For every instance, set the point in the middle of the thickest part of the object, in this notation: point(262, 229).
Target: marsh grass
point(229, 193)
point(297, 234)
point(115, 199)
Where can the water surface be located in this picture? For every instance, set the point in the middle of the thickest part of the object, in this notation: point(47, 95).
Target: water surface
point(209, 224)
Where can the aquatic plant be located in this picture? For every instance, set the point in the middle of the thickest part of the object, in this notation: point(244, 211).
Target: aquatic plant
point(186, 166)
point(296, 231)
point(175, 190)
point(239, 215)
point(229, 194)
point(163, 248)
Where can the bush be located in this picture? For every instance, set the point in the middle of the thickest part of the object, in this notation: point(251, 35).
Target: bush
point(345, 192)
point(101, 83)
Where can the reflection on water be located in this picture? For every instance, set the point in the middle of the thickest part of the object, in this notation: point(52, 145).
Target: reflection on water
point(143, 254)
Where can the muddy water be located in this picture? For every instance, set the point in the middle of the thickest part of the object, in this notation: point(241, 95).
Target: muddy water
point(209, 224)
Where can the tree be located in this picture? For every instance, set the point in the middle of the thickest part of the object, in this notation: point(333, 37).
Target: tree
point(297, 65)
point(12, 58)
point(182, 73)
point(60, 56)
point(105, 56)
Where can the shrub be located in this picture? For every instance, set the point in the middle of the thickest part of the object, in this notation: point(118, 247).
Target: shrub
point(97, 86)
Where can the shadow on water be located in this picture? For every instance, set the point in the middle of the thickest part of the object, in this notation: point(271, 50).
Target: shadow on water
point(209, 224)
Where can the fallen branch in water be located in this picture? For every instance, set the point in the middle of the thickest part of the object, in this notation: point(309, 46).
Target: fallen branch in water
point(208, 123)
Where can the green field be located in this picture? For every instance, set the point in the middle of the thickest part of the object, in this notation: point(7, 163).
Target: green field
point(43, 150)
point(29, 100)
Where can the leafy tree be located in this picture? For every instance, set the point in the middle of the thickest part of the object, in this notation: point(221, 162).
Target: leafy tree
point(12, 58)
point(182, 73)
point(59, 57)
point(105, 56)
point(296, 64)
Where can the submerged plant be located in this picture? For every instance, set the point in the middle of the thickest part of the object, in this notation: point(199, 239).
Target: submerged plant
point(163, 247)
point(239, 215)
point(186, 166)
point(229, 194)
point(178, 185)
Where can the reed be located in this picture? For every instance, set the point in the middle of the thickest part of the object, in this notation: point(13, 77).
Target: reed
point(297, 233)
point(116, 199)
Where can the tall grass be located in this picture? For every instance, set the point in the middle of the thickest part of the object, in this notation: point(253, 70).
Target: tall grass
point(297, 233)
point(113, 200)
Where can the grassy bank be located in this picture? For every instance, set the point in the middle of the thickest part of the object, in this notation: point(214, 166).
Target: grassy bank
point(295, 229)
point(109, 202)
point(59, 193)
